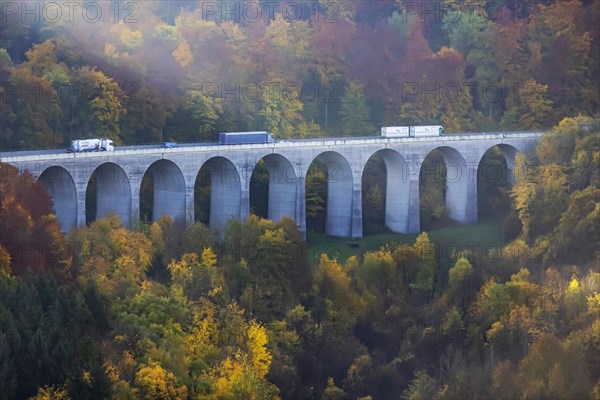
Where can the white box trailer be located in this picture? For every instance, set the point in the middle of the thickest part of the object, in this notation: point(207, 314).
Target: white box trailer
point(85, 145)
point(395, 131)
point(427, 130)
point(411, 131)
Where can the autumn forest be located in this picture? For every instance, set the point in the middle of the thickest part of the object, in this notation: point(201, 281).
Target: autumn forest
point(172, 310)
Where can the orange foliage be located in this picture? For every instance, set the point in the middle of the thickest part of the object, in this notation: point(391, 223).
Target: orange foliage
point(28, 229)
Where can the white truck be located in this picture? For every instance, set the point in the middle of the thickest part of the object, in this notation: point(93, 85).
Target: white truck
point(411, 131)
point(395, 131)
point(85, 145)
point(428, 130)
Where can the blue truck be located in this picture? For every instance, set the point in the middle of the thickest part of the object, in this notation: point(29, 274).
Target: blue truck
point(246, 137)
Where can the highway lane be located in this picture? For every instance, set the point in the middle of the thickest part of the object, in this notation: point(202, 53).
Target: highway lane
point(179, 145)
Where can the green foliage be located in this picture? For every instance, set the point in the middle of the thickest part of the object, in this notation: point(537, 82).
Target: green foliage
point(112, 256)
point(557, 197)
point(461, 282)
point(424, 280)
point(535, 106)
point(355, 112)
point(432, 190)
point(373, 195)
point(281, 109)
point(316, 193)
point(421, 387)
point(271, 259)
point(44, 337)
point(204, 111)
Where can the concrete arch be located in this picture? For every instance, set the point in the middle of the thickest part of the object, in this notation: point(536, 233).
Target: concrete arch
point(458, 193)
point(495, 175)
point(113, 192)
point(510, 153)
point(340, 184)
point(225, 192)
point(397, 197)
point(60, 185)
point(169, 190)
point(283, 181)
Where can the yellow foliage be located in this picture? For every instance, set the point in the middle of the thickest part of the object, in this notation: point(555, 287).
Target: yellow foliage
point(129, 38)
point(156, 235)
point(331, 275)
point(5, 262)
point(157, 383)
point(51, 393)
point(209, 258)
point(260, 358)
point(593, 303)
point(205, 330)
point(228, 373)
point(424, 249)
point(181, 272)
point(574, 287)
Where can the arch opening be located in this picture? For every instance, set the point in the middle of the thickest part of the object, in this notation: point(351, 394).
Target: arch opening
point(494, 182)
point(329, 190)
point(495, 178)
point(217, 193)
point(162, 192)
point(386, 193)
point(443, 189)
point(273, 188)
point(108, 191)
point(61, 187)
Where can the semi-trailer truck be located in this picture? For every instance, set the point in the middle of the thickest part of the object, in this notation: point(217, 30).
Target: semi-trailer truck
point(85, 145)
point(412, 131)
point(246, 137)
point(428, 130)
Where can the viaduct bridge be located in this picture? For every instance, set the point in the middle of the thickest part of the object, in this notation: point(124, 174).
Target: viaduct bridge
point(175, 171)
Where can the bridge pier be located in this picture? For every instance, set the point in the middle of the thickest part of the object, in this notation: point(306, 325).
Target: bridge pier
point(169, 190)
point(135, 203)
point(461, 192)
point(471, 202)
point(245, 201)
point(282, 188)
point(301, 205)
point(340, 195)
point(339, 209)
point(225, 194)
point(189, 203)
point(414, 205)
point(398, 191)
point(357, 223)
point(81, 192)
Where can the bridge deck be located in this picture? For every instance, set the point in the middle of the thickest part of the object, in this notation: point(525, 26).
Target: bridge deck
point(37, 155)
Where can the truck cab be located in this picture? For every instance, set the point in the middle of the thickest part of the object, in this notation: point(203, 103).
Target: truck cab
point(109, 145)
